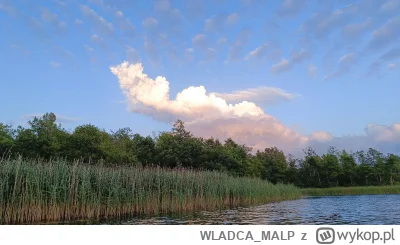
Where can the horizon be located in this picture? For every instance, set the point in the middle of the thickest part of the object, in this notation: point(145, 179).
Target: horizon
point(288, 74)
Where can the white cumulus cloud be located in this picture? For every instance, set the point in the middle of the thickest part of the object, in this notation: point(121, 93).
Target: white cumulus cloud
point(236, 115)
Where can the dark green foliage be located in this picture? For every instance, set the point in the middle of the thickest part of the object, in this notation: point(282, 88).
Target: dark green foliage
point(180, 149)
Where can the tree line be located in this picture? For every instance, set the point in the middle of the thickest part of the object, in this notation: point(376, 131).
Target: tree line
point(46, 139)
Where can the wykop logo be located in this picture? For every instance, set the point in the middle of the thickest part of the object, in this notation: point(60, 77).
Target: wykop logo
point(325, 235)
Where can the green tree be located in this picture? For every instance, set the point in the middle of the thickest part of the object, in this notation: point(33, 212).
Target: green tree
point(88, 143)
point(145, 149)
point(330, 169)
point(275, 164)
point(349, 169)
point(392, 169)
point(292, 171)
point(310, 169)
point(6, 138)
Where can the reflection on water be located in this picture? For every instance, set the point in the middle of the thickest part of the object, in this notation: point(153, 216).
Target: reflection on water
point(364, 209)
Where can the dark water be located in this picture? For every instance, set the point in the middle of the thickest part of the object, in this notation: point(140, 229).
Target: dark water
point(362, 209)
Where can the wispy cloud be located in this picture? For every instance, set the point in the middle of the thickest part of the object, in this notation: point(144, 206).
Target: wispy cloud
point(152, 52)
point(237, 47)
point(53, 19)
point(99, 41)
point(346, 62)
point(312, 70)
point(354, 31)
point(386, 34)
point(100, 24)
point(125, 25)
point(263, 95)
point(290, 8)
point(10, 10)
point(55, 64)
point(282, 66)
point(200, 41)
point(59, 118)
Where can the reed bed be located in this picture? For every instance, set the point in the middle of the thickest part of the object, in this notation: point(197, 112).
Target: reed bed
point(34, 191)
point(356, 190)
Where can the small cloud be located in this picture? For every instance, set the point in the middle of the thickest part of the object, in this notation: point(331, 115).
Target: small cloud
point(149, 22)
point(258, 53)
point(55, 64)
point(299, 56)
point(232, 18)
point(119, 14)
point(282, 66)
point(78, 22)
point(392, 66)
point(312, 70)
point(347, 59)
point(210, 54)
point(214, 23)
point(200, 41)
point(90, 52)
point(222, 40)
point(189, 54)
point(99, 40)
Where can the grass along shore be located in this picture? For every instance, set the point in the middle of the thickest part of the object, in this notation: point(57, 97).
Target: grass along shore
point(59, 191)
point(353, 190)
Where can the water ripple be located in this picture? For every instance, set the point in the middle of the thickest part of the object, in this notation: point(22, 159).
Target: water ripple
point(331, 210)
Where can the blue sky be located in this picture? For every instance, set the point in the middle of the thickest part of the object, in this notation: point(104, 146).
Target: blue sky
point(318, 70)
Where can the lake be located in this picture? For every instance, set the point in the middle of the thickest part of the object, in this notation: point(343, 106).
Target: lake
point(329, 210)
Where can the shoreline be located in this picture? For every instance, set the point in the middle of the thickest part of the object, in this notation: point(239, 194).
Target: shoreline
point(353, 190)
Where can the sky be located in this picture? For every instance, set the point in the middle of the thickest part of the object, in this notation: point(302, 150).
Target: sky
point(284, 73)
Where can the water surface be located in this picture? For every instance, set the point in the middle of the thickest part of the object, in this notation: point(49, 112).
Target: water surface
point(329, 210)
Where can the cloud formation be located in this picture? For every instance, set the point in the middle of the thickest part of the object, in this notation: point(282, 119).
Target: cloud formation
point(212, 114)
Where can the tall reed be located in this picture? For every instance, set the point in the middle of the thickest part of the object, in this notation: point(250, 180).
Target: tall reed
point(56, 191)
